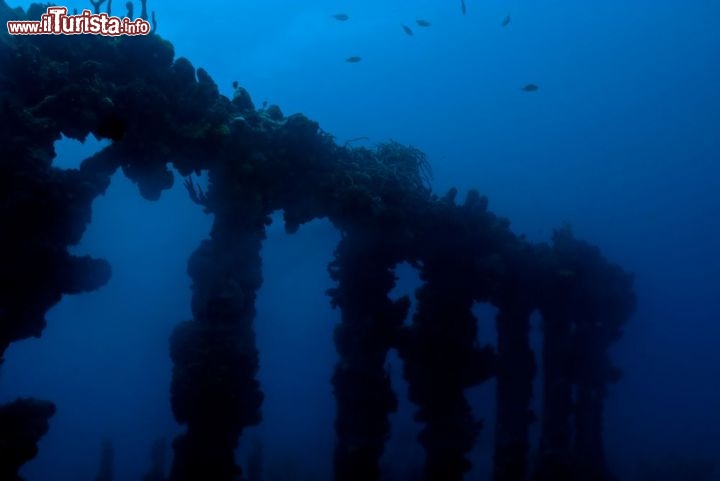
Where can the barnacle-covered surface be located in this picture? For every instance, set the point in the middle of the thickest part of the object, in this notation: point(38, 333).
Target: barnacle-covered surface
point(161, 113)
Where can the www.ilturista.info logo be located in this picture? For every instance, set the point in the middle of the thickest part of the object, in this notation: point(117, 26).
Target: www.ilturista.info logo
point(57, 22)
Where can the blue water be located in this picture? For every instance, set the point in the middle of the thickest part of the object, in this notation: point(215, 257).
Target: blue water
point(622, 141)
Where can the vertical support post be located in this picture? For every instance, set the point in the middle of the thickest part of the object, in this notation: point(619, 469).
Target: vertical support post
point(214, 390)
point(515, 372)
point(363, 267)
point(554, 453)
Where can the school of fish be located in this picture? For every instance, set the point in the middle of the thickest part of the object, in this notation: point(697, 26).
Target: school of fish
point(422, 23)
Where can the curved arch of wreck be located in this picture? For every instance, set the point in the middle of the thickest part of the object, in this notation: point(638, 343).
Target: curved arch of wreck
point(160, 113)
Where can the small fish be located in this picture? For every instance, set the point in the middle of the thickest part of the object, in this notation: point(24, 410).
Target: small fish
point(463, 8)
point(341, 17)
point(506, 21)
point(422, 23)
point(530, 88)
point(407, 30)
point(353, 59)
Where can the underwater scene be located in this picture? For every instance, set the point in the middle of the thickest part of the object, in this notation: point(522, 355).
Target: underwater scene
point(341, 240)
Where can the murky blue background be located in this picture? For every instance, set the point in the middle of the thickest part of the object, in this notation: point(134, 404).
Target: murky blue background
point(622, 141)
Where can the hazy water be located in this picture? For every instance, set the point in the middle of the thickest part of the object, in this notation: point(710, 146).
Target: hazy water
point(622, 140)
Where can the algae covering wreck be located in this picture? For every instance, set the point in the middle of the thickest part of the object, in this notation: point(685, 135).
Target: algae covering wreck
point(164, 118)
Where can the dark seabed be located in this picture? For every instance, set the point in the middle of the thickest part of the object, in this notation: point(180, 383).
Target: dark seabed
point(292, 241)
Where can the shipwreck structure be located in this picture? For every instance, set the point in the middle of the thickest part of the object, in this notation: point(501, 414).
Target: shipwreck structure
point(161, 113)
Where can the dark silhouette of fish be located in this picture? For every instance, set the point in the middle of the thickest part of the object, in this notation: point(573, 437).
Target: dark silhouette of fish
point(407, 30)
point(463, 8)
point(506, 21)
point(530, 88)
point(341, 16)
point(353, 59)
point(422, 23)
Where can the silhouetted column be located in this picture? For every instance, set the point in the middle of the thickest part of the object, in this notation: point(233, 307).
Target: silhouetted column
point(156, 471)
point(588, 446)
point(515, 373)
point(22, 423)
point(441, 360)
point(214, 390)
point(440, 351)
point(363, 267)
point(593, 373)
point(106, 470)
point(554, 452)
point(586, 302)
